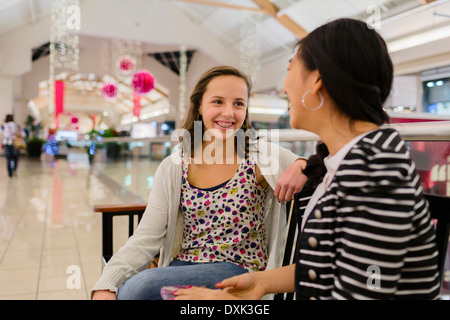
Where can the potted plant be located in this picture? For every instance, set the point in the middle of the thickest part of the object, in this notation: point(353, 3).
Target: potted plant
point(34, 147)
point(34, 143)
point(112, 148)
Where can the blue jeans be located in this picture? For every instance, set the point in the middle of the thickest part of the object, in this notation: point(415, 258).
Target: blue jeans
point(12, 158)
point(147, 284)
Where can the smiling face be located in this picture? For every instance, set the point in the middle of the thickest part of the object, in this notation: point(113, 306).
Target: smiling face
point(224, 106)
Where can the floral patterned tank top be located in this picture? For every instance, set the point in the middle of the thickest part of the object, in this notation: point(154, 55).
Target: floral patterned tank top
point(225, 223)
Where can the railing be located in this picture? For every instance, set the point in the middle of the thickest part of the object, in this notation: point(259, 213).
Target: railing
point(417, 131)
point(427, 131)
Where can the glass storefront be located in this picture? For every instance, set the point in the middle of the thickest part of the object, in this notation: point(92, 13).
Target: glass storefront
point(436, 96)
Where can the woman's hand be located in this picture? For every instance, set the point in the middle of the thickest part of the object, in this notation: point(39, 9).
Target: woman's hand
point(246, 287)
point(291, 181)
point(104, 295)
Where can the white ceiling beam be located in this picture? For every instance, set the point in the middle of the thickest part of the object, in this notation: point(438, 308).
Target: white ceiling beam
point(265, 7)
point(284, 19)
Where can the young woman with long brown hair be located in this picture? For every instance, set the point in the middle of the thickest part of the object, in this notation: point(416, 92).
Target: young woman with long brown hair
point(210, 216)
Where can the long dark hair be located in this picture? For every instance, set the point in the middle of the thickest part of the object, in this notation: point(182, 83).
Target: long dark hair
point(315, 169)
point(354, 65)
point(355, 69)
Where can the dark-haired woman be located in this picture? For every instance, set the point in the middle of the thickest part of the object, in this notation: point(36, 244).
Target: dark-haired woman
point(212, 211)
point(366, 232)
point(10, 129)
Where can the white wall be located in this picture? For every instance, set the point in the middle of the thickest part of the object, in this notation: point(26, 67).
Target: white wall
point(6, 97)
point(272, 75)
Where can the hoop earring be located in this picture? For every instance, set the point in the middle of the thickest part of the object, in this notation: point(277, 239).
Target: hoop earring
point(309, 108)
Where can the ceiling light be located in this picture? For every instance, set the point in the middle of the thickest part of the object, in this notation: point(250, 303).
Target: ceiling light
point(419, 39)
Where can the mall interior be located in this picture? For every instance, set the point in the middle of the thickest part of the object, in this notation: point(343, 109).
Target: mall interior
point(96, 135)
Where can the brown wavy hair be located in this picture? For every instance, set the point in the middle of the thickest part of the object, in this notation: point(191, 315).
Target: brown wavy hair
point(193, 113)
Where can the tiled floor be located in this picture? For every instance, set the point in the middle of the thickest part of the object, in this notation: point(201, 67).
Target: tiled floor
point(50, 240)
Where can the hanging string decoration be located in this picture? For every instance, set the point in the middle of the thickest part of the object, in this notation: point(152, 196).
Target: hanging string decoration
point(64, 39)
point(250, 52)
point(183, 62)
point(143, 82)
point(126, 64)
point(65, 25)
point(126, 56)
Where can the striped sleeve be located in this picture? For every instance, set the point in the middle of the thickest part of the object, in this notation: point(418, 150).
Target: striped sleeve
point(382, 224)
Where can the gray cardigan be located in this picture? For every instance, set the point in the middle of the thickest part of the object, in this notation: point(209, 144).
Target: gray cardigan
point(161, 227)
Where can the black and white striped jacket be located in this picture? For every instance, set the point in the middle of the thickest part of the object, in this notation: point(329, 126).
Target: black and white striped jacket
point(370, 236)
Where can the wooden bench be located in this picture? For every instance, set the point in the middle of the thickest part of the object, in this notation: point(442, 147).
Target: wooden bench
point(108, 213)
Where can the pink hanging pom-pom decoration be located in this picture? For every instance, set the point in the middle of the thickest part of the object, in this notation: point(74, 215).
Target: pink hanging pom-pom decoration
point(126, 64)
point(143, 82)
point(109, 90)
